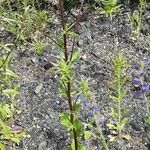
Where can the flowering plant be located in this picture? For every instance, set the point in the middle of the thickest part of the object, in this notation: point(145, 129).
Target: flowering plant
point(93, 127)
point(141, 85)
point(118, 111)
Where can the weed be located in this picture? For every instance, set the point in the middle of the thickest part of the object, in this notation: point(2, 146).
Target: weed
point(119, 65)
point(7, 135)
point(109, 7)
point(39, 47)
point(95, 119)
point(24, 24)
point(136, 20)
point(148, 40)
point(143, 87)
point(66, 64)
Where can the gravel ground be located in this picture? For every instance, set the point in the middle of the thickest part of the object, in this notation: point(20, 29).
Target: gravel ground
point(40, 103)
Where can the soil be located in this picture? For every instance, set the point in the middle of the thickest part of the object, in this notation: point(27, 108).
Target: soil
point(40, 102)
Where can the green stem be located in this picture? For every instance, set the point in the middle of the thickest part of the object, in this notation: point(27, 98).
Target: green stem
point(147, 104)
point(145, 98)
point(140, 19)
point(8, 2)
point(119, 103)
point(68, 92)
point(101, 138)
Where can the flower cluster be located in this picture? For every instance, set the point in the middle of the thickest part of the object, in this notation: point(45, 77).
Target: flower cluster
point(138, 80)
point(90, 108)
point(143, 86)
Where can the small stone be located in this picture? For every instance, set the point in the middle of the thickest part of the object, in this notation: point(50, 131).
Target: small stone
point(81, 98)
point(84, 57)
point(80, 43)
point(88, 35)
point(48, 120)
point(34, 60)
point(99, 76)
point(42, 145)
point(47, 65)
point(38, 88)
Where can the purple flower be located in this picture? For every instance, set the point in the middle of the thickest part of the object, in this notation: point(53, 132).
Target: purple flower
point(145, 87)
point(144, 61)
point(139, 93)
point(137, 82)
point(102, 119)
point(141, 73)
point(95, 108)
point(134, 67)
point(90, 114)
point(86, 105)
point(94, 129)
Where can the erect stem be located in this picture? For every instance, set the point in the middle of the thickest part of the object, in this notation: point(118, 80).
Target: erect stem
point(63, 25)
point(68, 91)
point(78, 16)
point(147, 104)
point(7, 57)
point(118, 100)
point(101, 138)
point(71, 115)
point(72, 50)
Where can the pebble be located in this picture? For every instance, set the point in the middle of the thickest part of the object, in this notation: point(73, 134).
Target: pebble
point(47, 65)
point(38, 89)
point(34, 60)
point(42, 145)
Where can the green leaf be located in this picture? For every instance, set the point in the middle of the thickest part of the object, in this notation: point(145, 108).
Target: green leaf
point(11, 73)
point(78, 127)
point(112, 138)
point(6, 46)
point(2, 146)
point(114, 112)
point(65, 69)
point(114, 98)
point(136, 16)
point(114, 132)
point(72, 34)
point(15, 140)
point(39, 47)
point(124, 80)
point(122, 95)
point(9, 92)
point(80, 147)
point(126, 136)
point(5, 128)
point(113, 2)
point(77, 107)
point(121, 125)
point(65, 120)
point(75, 57)
point(147, 121)
point(5, 111)
point(87, 135)
point(126, 111)
point(111, 126)
point(8, 110)
point(85, 89)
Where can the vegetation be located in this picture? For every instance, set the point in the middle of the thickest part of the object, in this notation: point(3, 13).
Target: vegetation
point(136, 20)
point(9, 91)
point(118, 111)
point(30, 24)
point(109, 7)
